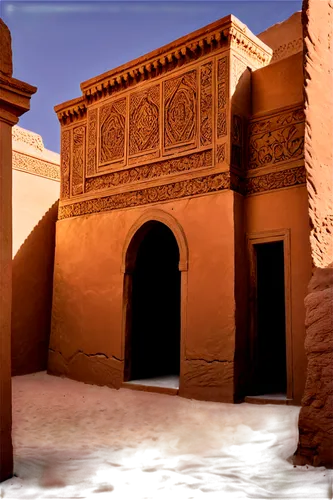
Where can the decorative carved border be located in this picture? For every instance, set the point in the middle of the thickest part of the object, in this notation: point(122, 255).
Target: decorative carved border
point(176, 190)
point(222, 96)
point(192, 187)
point(35, 166)
point(186, 163)
point(65, 163)
point(275, 180)
point(27, 137)
point(276, 138)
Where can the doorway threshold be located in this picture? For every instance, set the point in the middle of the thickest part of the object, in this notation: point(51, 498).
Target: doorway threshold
point(168, 384)
point(266, 399)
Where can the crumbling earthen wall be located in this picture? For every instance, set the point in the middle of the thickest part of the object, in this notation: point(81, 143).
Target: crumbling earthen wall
point(316, 416)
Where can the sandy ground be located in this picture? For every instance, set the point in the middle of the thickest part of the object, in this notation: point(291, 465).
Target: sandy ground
point(73, 440)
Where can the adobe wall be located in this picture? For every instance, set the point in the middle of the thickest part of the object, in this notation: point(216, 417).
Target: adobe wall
point(36, 189)
point(316, 417)
point(87, 321)
point(14, 101)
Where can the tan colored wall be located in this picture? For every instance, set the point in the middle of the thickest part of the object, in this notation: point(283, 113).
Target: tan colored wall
point(86, 337)
point(287, 209)
point(285, 38)
point(278, 85)
point(36, 190)
point(32, 197)
point(32, 296)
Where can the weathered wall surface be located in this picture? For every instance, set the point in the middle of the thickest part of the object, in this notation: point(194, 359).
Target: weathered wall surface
point(36, 188)
point(316, 416)
point(86, 337)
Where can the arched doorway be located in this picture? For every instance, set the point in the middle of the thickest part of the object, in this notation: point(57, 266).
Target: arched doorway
point(152, 334)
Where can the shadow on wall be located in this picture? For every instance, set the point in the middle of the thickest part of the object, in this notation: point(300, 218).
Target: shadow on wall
point(32, 296)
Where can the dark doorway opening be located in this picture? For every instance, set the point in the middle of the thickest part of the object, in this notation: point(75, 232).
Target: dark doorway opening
point(153, 336)
point(270, 367)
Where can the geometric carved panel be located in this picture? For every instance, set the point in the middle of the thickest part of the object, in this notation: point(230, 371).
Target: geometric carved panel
point(112, 131)
point(206, 102)
point(79, 136)
point(144, 120)
point(180, 106)
point(222, 96)
point(278, 138)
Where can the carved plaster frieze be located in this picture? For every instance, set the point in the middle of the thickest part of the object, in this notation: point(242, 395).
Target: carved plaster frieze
point(151, 171)
point(276, 138)
point(174, 191)
point(186, 188)
point(35, 166)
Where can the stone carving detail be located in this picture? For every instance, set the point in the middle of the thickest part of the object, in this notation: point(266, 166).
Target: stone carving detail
point(147, 172)
point(222, 96)
point(180, 118)
point(275, 180)
point(221, 153)
point(144, 120)
point(277, 139)
point(35, 166)
point(238, 69)
point(288, 49)
point(206, 104)
point(78, 160)
point(112, 131)
point(176, 190)
point(65, 164)
point(237, 142)
point(142, 158)
point(21, 135)
point(92, 142)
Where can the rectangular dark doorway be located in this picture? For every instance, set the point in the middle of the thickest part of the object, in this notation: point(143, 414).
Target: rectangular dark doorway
point(269, 349)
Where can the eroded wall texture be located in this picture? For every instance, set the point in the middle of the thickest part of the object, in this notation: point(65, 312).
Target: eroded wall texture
point(316, 416)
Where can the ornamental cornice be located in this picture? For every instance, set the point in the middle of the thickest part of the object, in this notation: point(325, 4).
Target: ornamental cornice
point(225, 33)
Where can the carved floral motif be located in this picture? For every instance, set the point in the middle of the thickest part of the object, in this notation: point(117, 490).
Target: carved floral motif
point(92, 142)
point(221, 152)
point(65, 164)
point(222, 96)
point(276, 139)
point(79, 134)
point(152, 171)
point(275, 180)
point(206, 104)
point(176, 190)
point(180, 95)
point(144, 120)
point(112, 131)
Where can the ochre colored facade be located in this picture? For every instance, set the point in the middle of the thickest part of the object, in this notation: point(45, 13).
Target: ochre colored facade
point(36, 189)
point(205, 137)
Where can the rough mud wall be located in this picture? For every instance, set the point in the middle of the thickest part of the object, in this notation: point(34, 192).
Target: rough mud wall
point(316, 416)
point(32, 297)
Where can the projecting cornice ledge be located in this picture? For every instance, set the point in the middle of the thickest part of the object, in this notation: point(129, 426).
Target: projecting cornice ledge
point(15, 98)
point(226, 33)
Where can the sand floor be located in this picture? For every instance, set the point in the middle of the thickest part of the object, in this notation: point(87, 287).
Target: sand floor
point(65, 431)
